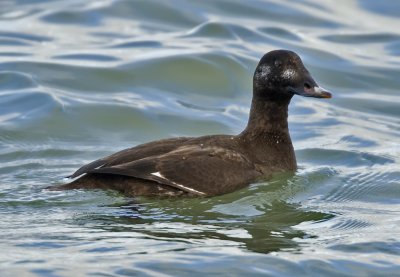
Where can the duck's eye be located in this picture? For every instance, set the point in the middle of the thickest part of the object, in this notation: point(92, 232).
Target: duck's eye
point(307, 85)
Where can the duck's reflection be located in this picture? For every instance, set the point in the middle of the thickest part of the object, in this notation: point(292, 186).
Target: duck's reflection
point(259, 219)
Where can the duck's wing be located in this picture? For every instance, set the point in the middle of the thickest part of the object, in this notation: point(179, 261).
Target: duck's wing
point(132, 154)
point(202, 171)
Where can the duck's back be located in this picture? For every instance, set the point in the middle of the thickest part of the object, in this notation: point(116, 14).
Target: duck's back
point(131, 154)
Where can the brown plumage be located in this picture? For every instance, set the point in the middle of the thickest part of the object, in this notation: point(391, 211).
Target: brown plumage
point(214, 165)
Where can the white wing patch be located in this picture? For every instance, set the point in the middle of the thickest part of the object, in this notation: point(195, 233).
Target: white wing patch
point(159, 175)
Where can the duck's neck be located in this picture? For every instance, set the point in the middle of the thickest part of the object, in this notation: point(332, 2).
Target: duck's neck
point(267, 133)
point(267, 117)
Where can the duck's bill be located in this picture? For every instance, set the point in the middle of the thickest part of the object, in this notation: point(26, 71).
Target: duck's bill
point(309, 91)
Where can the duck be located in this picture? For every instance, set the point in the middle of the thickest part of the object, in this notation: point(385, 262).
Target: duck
point(213, 165)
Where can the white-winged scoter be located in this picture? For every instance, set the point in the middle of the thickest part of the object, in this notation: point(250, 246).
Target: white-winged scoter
point(216, 164)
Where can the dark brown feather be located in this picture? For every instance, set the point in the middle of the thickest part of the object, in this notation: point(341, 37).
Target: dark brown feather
point(132, 154)
point(192, 168)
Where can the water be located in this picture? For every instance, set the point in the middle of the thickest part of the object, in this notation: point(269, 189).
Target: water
point(82, 79)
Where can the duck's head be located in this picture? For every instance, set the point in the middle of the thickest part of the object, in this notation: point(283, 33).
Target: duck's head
point(280, 74)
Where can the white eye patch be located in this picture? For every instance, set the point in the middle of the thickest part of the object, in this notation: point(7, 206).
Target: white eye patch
point(263, 71)
point(288, 73)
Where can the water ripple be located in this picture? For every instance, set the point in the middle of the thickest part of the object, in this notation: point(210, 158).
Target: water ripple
point(82, 79)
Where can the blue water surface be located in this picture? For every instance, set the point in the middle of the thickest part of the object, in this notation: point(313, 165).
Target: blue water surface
point(83, 79)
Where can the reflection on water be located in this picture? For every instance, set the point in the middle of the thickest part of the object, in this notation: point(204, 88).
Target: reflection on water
point(258, 219)
point(82, 79)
